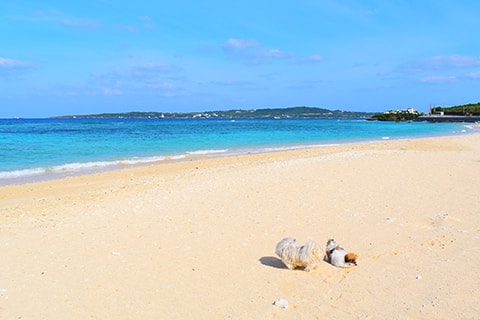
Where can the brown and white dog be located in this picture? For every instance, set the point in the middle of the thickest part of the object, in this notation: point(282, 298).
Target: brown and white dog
point(338, 257)
point(294, 255)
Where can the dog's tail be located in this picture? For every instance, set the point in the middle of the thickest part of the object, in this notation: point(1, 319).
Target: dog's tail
point(351, 258)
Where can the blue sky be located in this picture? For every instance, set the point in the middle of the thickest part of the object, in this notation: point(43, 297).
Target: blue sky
point(81, 57)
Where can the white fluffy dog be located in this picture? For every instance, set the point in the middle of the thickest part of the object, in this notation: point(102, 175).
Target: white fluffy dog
point(338, 257)
point(294, 255)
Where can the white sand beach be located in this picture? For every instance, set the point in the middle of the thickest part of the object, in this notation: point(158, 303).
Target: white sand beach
point(196, 239)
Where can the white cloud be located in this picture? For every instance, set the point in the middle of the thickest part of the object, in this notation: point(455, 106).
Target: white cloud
point(273, 53)
point(13, 67)
point(9, 63)
point(147, 22)
point(249, 51)
point(239, 44)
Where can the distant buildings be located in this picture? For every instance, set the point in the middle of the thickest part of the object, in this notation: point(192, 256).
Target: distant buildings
point(409, 114)
point(400, 111)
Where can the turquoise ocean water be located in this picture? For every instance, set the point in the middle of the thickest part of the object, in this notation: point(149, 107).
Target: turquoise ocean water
point(33, 149)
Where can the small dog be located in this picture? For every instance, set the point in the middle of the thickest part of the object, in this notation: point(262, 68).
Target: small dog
point(338, 257)
point(293, 255)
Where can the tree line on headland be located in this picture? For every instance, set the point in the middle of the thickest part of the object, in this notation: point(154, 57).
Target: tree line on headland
point(462, 111)
point(471, 109)
point(397, 115)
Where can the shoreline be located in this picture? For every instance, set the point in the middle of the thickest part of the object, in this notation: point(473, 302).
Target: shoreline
point(56, 172)
point(196, 239)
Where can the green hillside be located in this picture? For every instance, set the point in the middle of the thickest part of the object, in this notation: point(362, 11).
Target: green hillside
point(461, 110)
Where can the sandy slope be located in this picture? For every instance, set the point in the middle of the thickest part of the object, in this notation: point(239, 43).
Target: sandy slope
point(196, 239)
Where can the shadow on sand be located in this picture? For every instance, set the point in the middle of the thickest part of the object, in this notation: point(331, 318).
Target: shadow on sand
point(272, 262)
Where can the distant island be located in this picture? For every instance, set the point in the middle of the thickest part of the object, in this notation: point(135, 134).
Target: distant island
point(273, 113)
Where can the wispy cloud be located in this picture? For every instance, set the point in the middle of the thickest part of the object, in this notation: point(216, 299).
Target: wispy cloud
point(80, 23)
point(437, 70)
point(130, 28)
point(232, 83)
point(145, 73)
point(156, 76)
point(11, 67)
point(112, 92)
point(147, 22)
point(47, 14)
point(440, 63)
point(438, 79)
point(250, 51)
point(118, 83)
point(273, 53)
point(443, 79)
point(315, 58)
point(309, 84)
point(155, 69)
point(240, 44)
point(473, 75)
point(54, 16)
point(144, 23)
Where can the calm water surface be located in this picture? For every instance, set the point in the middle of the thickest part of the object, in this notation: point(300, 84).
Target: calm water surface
point(33, 147)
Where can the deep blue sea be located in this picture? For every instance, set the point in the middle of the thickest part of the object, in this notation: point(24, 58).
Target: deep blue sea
point(34, 148)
